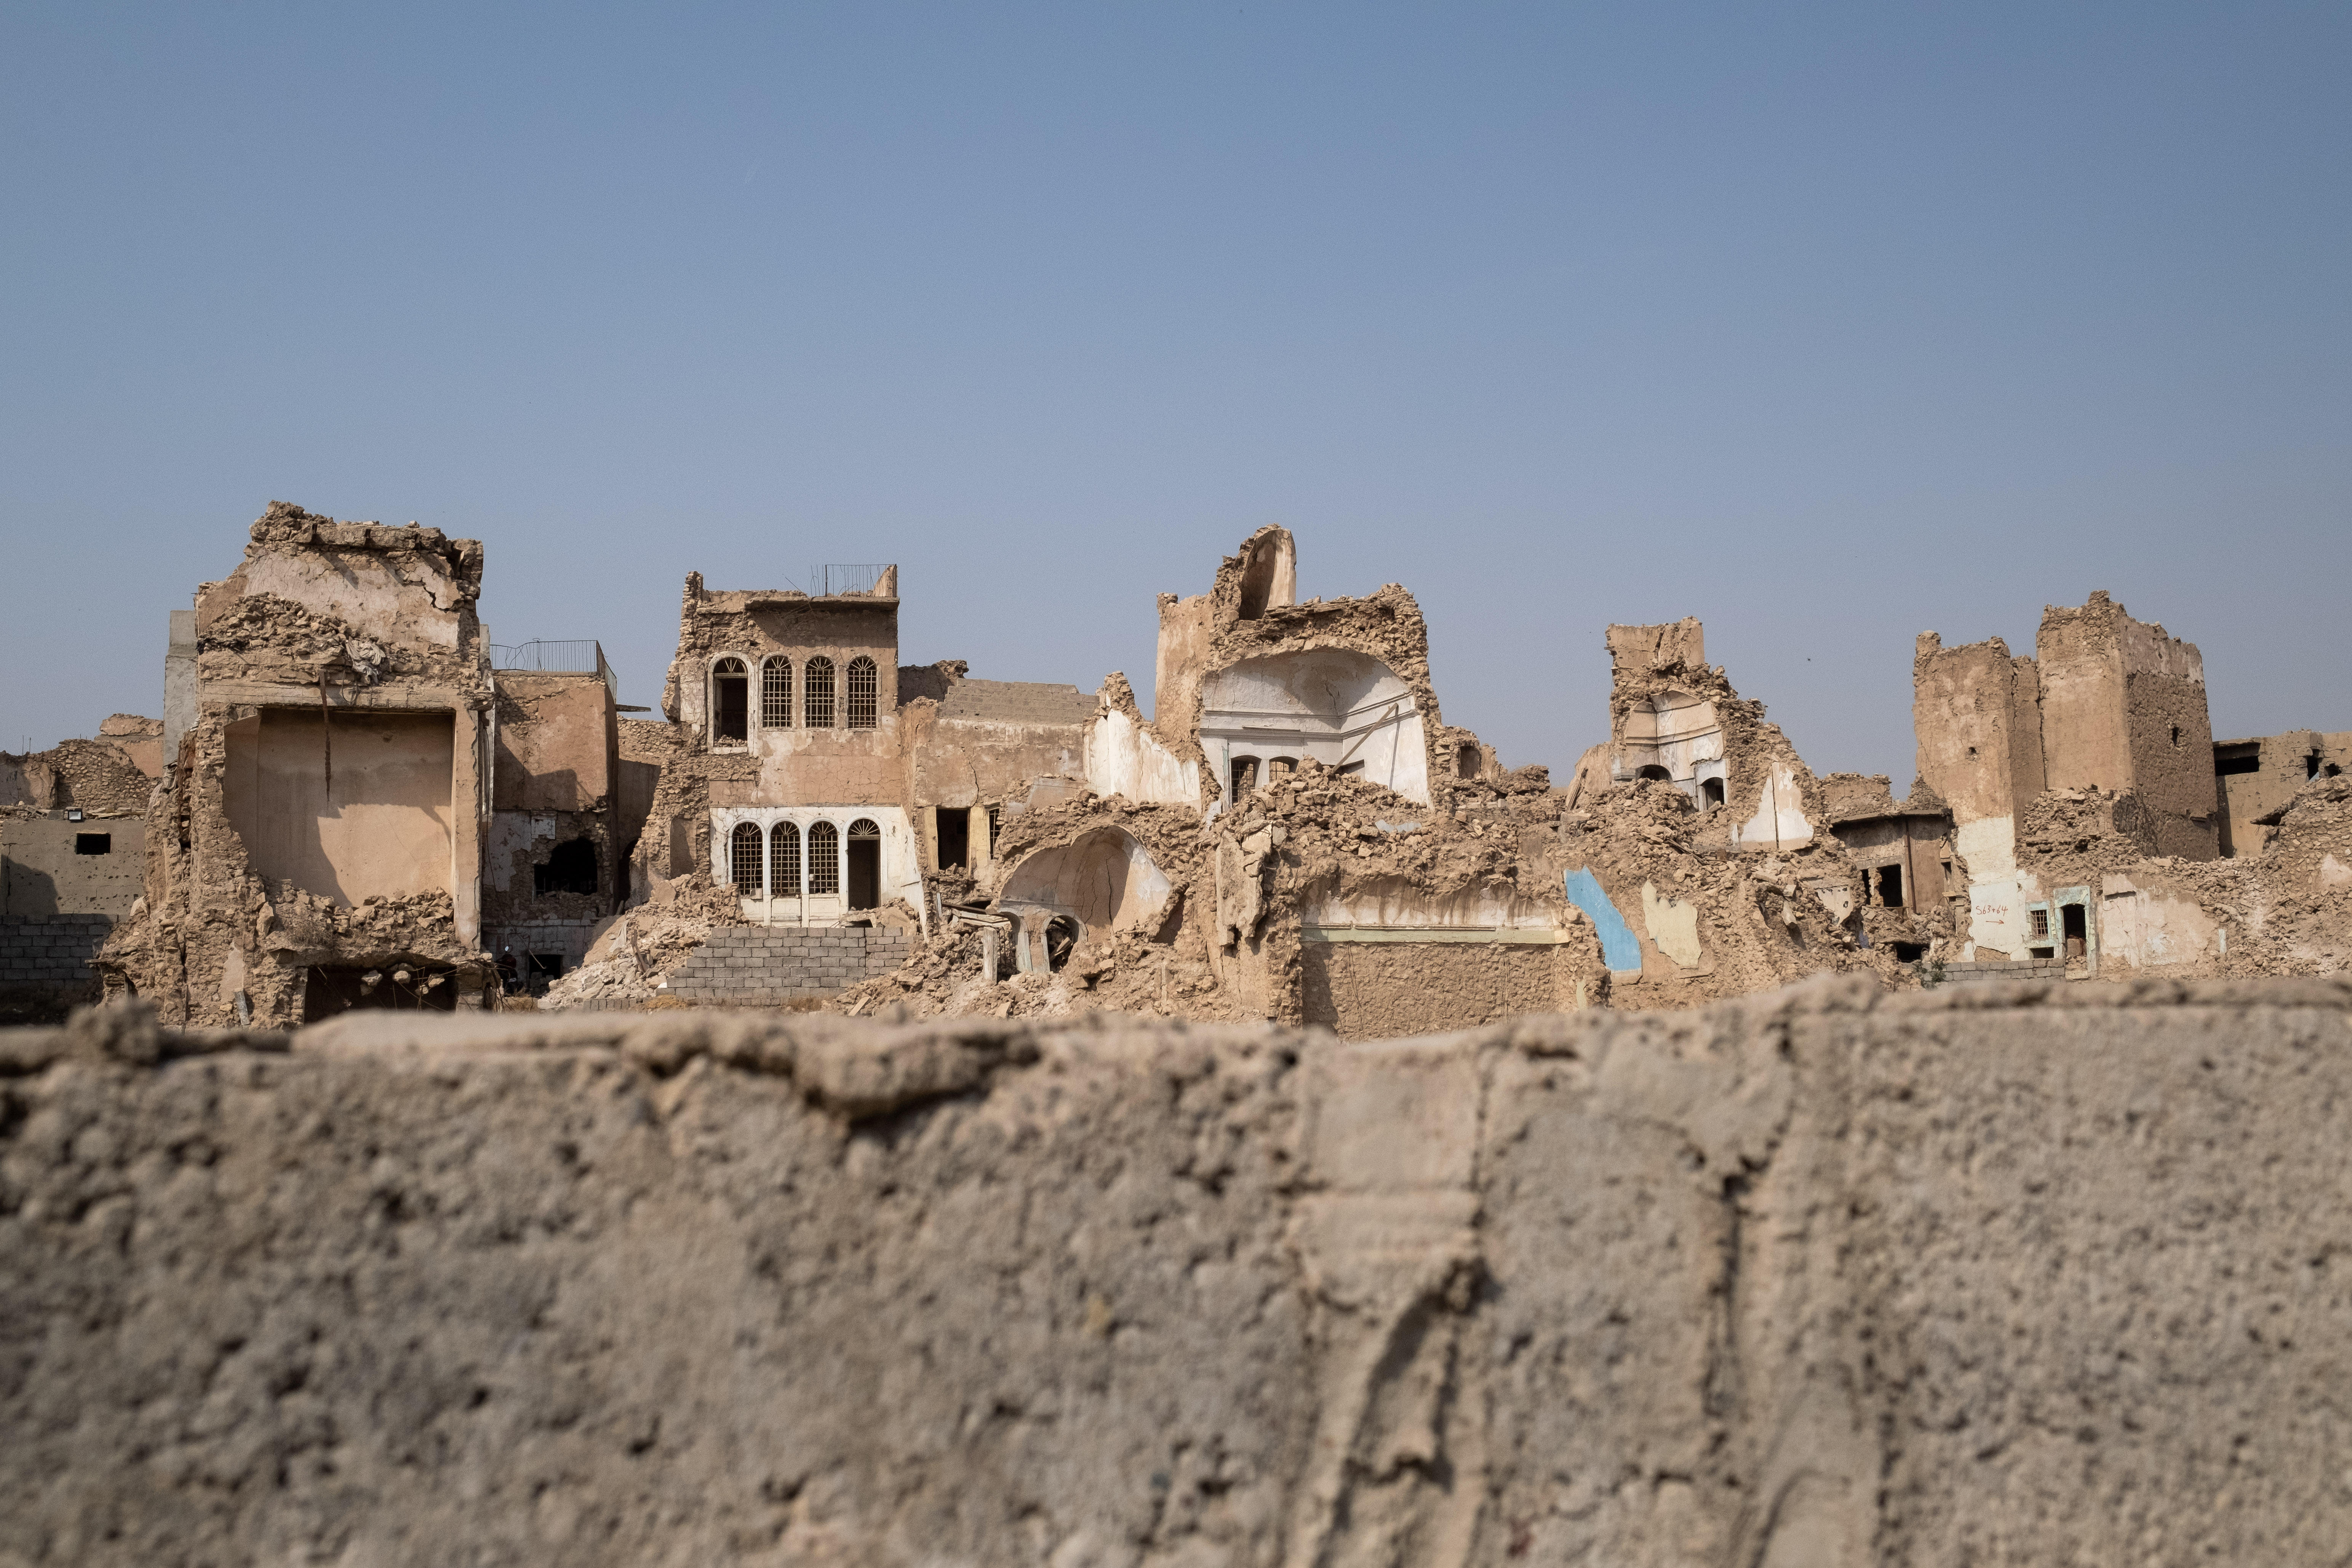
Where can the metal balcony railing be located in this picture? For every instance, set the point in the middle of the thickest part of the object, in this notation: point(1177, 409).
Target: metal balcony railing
point(576, 655)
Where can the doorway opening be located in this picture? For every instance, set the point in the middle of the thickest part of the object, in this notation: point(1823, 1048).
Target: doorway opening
point(730, 701)
point(2077, 929)
point(955, 837)
point(865, 864)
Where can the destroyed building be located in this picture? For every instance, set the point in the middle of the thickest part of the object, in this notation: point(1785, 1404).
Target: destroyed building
point(356, 799)
point(73, 851)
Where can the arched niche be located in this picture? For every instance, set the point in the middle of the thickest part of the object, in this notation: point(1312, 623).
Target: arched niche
point(1346, 710)
point(1105, 880)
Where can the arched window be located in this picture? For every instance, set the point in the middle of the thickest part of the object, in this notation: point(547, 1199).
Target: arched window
point(1466, 760)
point(865, 864)
point(784, 861)
point(823, 856)
point(776, 693)
point(743, 859)
point(861, 694)
point(730, 693)
point(1281, 767)
point(816, 693)
point(1652, 771)
point(1713, 790)
point(1244, 777)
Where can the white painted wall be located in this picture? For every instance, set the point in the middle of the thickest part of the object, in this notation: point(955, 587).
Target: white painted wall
point(1124, 758)
point(1780, 820)
point(902, 865)
point(1331, 704)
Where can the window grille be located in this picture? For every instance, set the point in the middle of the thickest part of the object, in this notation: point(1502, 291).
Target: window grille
point(816, 692)
point(784, 859)
point(730, 690)
point(823, 855)
point(864, 829)
point(861, 694)
point(776, 694)
point(743, 858)
point(1244, 777)
point(995, 828)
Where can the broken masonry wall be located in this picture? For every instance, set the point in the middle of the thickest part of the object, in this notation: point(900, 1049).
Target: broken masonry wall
point(554, 792)
point(1126, 756)
point(973, 744)
point(283, 856)
point(2259, 778)
point(2124, 709)
point(1675, 719)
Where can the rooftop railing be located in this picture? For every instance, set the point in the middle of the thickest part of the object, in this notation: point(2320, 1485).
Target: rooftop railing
point(575, 655)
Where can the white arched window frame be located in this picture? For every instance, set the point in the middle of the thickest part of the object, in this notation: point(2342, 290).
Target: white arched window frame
point(725, 668)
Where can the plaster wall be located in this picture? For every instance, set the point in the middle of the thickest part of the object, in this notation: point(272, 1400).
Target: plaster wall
point(558, 747)
point(1335, 705)
point(1779, 822)
point(43, 875)
point(380, 828)
point(901, 859)
point(1125, 757)
point(1976, 714)
point(1105, 879)
point(964, 763)
point(408, 598)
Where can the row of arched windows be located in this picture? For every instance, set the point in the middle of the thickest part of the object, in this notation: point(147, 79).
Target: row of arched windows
point(730, 696)
point(778, 869)
point(1244, 773)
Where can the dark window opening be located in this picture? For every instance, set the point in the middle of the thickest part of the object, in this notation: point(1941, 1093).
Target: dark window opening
point(328, 990)
point(955, 837)
point(865, 865)
point(2176, 734)
point(2077, 930)
point(1466, 761)
point(816, 693)
point(784, 861)
point(862, 693)
point(731, 700)
point(824, 858)
point(1652, 772)
point(570, 868)
point(2311, 766)
point(2232, 763)
point(1061, 934)
point(744, 866)
point(1890, 887)
point(995, 822)
point(1244, 777)
point(1909, 952)
point(776, 694)
point(1712, 789)
point(2040, 922)
point(93, 843)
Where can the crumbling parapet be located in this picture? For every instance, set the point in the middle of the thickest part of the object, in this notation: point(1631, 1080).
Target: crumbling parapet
point(327, 808)
point(1674, 719)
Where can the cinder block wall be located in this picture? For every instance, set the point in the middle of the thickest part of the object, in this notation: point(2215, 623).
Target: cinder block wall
point(45, 963)
point(783, 964)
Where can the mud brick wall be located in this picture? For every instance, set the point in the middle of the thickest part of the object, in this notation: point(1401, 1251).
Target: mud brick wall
point(781, 964)
point(45, 963)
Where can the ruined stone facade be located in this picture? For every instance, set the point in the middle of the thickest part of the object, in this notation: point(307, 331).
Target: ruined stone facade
point(362, 801)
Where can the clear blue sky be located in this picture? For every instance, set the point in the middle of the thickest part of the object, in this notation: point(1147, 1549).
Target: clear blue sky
point(1828, 324)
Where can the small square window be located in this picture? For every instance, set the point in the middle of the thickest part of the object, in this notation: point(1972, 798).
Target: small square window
point(93, 843)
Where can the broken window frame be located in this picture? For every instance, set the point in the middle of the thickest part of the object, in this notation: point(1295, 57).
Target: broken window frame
point(861, 695)
point(817, 706)
point(775, 692)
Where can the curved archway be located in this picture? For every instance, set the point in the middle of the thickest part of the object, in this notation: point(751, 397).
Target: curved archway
point(823, 860)
point(816, 692)
point(744, 865)
point(1104, 880)
point(730, 701)
point(861, 691)
point(776, 693)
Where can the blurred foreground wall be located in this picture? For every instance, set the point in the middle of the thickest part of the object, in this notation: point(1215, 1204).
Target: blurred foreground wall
point(2025, 1275)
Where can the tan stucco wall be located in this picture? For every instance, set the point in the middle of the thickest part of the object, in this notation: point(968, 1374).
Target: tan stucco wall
point(384, 825)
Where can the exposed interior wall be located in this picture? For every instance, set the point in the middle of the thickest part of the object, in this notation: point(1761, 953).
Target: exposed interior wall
point(350, 806)
point(1106, 880)
point(1344, 709)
